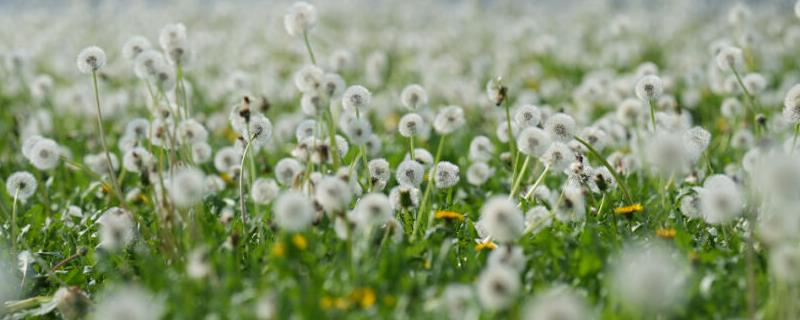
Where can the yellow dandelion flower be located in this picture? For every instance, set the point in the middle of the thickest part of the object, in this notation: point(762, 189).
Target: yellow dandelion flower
point(226, 177)
point(449, 215)
point(629, 209)
point(667, 233)
point(485, 245)
point(299, 241)
point(326, 303)
point(365, 297)
point(279, 249)
point(341, 303)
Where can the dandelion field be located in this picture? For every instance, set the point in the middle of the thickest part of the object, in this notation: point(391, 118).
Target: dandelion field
point(400, 160)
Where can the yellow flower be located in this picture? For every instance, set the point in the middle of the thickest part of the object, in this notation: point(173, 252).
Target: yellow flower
point(341, 303)
point(667, 233)
point(226, 177)
point(629, 209)
point(485, 245)
point(365, 297)
point(326, 303)
point(449, 215)
point(299, 241)
point(279, 249)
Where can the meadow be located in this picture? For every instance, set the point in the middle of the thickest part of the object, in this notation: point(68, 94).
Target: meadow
point(400, 160)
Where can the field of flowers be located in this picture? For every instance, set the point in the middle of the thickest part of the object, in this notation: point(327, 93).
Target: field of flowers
point(399, 160)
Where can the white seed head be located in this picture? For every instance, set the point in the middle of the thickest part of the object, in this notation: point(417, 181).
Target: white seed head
point(410, 125)
point(730, 58)
point(91, 59)
point(356, 97)
point(533, 141)
point(409, 173)
point(649, 88)
point(333, 194)
point(478, 173)
point(293, 211)
point(21, 184)
point(502, 219)
point(414, 97)
point(447, 175)
point(560, 127)
point(264, 190)
point(300, 18)
point(449, 119)
point(498, 287)
point(528, 116)
point(186, 187)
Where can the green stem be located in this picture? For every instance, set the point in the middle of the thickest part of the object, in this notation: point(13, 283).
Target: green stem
point(101, 133)
point(652, 113)
point(308, 47)
point(538, 181)
point(605, 163)
point(794, 140)
point(515, 187)
point(423, 210)
point(14, 222)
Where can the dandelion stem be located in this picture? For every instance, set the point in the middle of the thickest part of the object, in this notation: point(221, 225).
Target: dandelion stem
point(538, 181)
point(794, 140)
point(515, 187)
point(14, 221)
point(411, 146)
point(308, 47)
point(101, 133)
point(652, 113)
point(332, 138)
point(243, 207)
point(608, 166)
point(423, 210)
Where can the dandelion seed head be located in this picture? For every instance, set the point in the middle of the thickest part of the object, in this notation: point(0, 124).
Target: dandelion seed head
point(91, 59)
point(293, 211)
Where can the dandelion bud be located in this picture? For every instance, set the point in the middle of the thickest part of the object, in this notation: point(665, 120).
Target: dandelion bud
point(410, 125)
point(446, 175)
point(449, 120)
point(409, 173)
point(300, 18)
point(21, 184)
point(91, 59)
point(414, 97)
point(496, 91)
point(497, 287)
point(730, 58)
point(134, 46)
point(293, 211)
point(649, 88)
point(502, 219)
point(264, 191)
point(533, 141)
point(356, 97)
